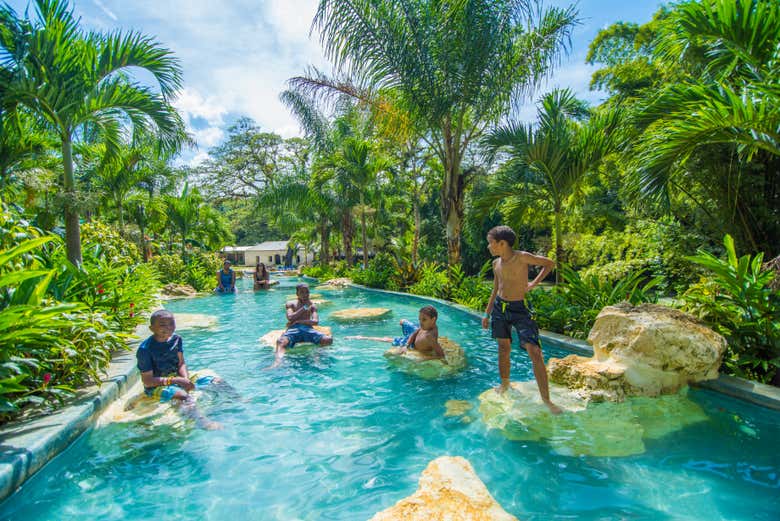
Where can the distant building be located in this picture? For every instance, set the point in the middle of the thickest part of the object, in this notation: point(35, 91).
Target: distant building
point(272, 253)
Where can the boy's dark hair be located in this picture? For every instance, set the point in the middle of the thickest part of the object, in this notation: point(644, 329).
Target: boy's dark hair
point(159, 315)
point(429, 311)
point(503, 233)
point(301, 286)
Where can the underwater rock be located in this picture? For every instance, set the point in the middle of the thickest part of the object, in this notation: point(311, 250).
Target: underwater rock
point(195, 321)
point(179, 290)
point(270, 338)
point(360, 314)
point(134, 405)
point(429, 368)
point(604, 429)
point(647, 350)
point(449, 490)
point(457, 407)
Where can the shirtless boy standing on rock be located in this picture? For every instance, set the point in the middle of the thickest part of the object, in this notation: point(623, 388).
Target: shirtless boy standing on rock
point(506, 307)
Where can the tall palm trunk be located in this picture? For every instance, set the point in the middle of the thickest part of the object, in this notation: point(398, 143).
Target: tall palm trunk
point(452, 195)
point(416, 240)
point(324, 243)
point(72, 230)
point(363, 226)
point(346, 229)
point(557, 243)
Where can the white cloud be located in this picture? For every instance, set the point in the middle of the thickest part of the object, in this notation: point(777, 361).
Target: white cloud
point(105, 9)
point(198, 158)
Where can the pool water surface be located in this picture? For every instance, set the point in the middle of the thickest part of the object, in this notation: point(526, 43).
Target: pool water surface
point(335, 433)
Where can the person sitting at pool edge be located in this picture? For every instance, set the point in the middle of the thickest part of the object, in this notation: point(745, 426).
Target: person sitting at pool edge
point(423, 338)
point(301, 318)
point(262, 277)
point(226, 279)
point(164, 373)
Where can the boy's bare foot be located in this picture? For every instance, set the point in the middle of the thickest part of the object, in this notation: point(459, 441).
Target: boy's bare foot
point(501, 389)
point(553, 408)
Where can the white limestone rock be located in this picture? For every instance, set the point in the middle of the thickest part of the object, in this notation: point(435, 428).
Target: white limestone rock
point(449, 490)
point(429, 368)
point(649, 350)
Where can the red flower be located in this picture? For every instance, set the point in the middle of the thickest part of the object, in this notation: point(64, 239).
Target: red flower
point(100, 289)
point(132, 314)
point(46, 378)
point(132, 304)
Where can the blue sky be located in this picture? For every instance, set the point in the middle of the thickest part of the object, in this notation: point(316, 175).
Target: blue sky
point(237, 54)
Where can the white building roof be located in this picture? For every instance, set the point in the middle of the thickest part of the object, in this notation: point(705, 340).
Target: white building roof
point(270, 246)
point(235, 248)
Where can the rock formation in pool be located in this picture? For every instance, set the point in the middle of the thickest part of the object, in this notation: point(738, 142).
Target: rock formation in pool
point(429, 368)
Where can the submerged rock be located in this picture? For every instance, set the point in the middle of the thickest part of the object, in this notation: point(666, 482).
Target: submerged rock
point(449, 490)
point(429, 368)
point(317, 302)
point(604, 429)
point(360, 314)
point(647, 350)
point(270, 338)
point(195, 321)
point(312, 296)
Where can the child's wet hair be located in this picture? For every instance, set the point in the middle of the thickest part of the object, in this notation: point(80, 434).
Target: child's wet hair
point(503, 233)
point(429, 311)
point(159, 315)
point(301, 286)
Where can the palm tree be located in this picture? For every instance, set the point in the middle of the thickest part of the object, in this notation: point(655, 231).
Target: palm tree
point(184, 213)
point(449, 69)
point(78, 83)
point(550, 159)
point(357, 172)
point(716, 131)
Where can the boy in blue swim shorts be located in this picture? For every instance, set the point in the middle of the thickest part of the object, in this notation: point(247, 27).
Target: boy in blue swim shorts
point(506, 308)
point(164, 373)
point(301, 318)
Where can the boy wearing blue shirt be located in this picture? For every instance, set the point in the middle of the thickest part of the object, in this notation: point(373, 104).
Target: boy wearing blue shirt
point(164, 372)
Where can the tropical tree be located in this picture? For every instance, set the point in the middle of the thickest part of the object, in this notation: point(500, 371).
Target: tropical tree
point(79, 83)
point(549, 160)
point(448, 69)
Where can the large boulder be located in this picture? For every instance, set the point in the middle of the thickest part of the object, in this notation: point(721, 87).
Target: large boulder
point(648, 350)
point(195, 321)
point(334, 284)
point(449, 490)
point(429, 368)
point(584, 428)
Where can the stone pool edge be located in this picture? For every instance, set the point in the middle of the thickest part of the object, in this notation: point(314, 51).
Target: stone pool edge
point(746, 390)
point(28, 445)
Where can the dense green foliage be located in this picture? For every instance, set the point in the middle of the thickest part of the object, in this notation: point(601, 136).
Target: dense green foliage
point(736, 299)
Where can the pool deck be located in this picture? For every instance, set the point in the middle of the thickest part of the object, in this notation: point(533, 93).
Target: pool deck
point(27, 445)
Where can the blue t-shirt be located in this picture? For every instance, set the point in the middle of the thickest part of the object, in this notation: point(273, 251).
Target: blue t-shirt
point(162, 358)
point(226, 278)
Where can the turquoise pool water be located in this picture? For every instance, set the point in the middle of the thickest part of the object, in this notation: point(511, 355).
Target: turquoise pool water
point(335, 434)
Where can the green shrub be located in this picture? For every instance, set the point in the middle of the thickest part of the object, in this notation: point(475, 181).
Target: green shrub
point(473, 292)
point(99, 240)
point(433, 281)
point(202, 270)
point(380, 273)
point(170, 268)
point(49, 347)
point(736, 299)
point(572, 306)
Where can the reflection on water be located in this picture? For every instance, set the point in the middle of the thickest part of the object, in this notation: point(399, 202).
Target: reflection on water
point(338, 433)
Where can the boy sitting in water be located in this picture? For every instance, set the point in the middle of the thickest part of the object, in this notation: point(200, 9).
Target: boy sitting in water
point(301, 318)
point(164, 372)
point(423, 338)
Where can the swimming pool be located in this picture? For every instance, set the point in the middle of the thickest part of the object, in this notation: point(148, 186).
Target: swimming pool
point(337, 434)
